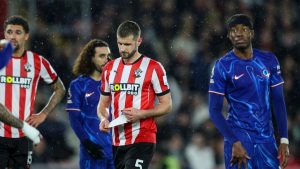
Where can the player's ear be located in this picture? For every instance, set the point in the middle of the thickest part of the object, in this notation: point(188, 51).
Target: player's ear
point(139, 40)
point(252, 34)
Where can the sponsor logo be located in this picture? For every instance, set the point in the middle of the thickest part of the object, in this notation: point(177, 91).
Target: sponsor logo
point(129, 88)
point(24, 82)
point(237, 77)
point(89, 94)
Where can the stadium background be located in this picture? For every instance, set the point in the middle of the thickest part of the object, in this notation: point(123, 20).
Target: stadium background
point(186, 36)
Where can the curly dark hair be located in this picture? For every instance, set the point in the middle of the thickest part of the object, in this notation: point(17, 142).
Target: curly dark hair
point(83, 64)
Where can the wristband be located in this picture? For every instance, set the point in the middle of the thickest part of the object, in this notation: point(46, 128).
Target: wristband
point(284, 141)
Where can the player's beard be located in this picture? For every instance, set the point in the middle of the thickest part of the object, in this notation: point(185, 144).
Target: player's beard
point(126, 55)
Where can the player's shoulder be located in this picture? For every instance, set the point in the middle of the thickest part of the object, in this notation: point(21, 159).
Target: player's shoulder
point(263, 54)
point(79, 81)
point(226, 59)
point(152, 62)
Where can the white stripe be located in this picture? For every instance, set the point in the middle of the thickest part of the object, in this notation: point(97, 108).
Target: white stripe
point(16, 96)
point(216, 93)
point(137, 99)
point(30, 74)
point(155, 82)
point(122, 101)
point(277, 84)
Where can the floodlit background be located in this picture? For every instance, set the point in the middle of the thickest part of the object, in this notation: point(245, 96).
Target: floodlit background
point(186, 36)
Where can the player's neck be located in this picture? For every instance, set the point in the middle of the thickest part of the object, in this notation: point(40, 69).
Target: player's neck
point(131, 60)
point(19, 53)
point(96, 75)
point(244, 54)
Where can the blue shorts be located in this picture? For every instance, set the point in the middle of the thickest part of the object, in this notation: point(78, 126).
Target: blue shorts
point(263, 155)
point(87, 162)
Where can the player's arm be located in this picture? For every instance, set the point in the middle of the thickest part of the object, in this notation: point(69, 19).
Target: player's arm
point(102, 112)
point(7, 118)
point(163, 107)
point(279, 109)
point(215, 112)
point(58, 94)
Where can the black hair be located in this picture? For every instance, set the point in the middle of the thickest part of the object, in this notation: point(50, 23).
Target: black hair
point(239, 19)
point(17, 20)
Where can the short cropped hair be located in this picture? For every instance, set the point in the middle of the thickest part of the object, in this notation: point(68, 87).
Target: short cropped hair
point(128, 28)
point(239, 19)
point(17, 20)
point(83, 63)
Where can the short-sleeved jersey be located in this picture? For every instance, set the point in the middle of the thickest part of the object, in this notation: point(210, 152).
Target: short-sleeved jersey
point(18, 85)
point(83, 96)
point(246, 85)
point(134, 85)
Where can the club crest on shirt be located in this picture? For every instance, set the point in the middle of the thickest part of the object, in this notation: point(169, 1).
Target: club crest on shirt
point(265, 73)
point(27, 67)
point(137, 73)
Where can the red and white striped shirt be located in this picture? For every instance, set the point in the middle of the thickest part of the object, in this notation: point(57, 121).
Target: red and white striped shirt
point(18, 85)
point(134, 85)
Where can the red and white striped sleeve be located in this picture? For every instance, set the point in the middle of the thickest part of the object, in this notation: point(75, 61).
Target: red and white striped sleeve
point(159, 80)
point(47, 72)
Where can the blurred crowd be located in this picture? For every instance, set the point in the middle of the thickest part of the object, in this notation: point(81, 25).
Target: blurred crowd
point(186, 36)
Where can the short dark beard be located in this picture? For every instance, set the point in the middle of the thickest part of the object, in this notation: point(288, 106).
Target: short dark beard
point(130, 55)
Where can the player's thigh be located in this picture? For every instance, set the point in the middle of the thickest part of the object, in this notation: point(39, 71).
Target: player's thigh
point(21, 158)
point(139, 156)
point(4, 152)
point(266, 155)
point(249, 147)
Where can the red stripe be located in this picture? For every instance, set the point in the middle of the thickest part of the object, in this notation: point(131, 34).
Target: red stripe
point(22, 98)
point(37, 69)
point(116, 100)
point(147, 102)
point(8, 97)
point(46, 64)
point(129, 101)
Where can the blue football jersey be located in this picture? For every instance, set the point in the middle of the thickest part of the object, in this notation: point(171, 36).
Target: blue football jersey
point(84, 94)
point(246, 85)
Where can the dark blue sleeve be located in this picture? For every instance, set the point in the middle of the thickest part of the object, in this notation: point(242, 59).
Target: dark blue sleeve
point(5, 55)
point(74, 111)
point(279, 110)
point(76, 121)
point(215, 112)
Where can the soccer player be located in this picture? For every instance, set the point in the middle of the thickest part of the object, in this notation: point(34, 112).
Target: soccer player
point(250, 80)
point(83, 98)
point(6, 117)
point(18, 84)
point(130, 85)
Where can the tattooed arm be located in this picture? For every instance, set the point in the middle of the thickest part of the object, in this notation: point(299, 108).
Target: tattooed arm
point(58, 94)
point(7, 118)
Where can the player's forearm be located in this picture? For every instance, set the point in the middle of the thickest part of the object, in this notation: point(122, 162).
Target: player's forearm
point(279, 109)
point(102, 107)
point(7, 118)
point(215, 112)
point(164, 107)
point(58, 94)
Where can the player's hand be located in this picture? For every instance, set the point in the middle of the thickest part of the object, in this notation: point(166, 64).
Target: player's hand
point(239, 155)
point(36, 119)
point(95, 150)
point(283, 154)
point(103, 126)
point(132, 114)
point(32, 133)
